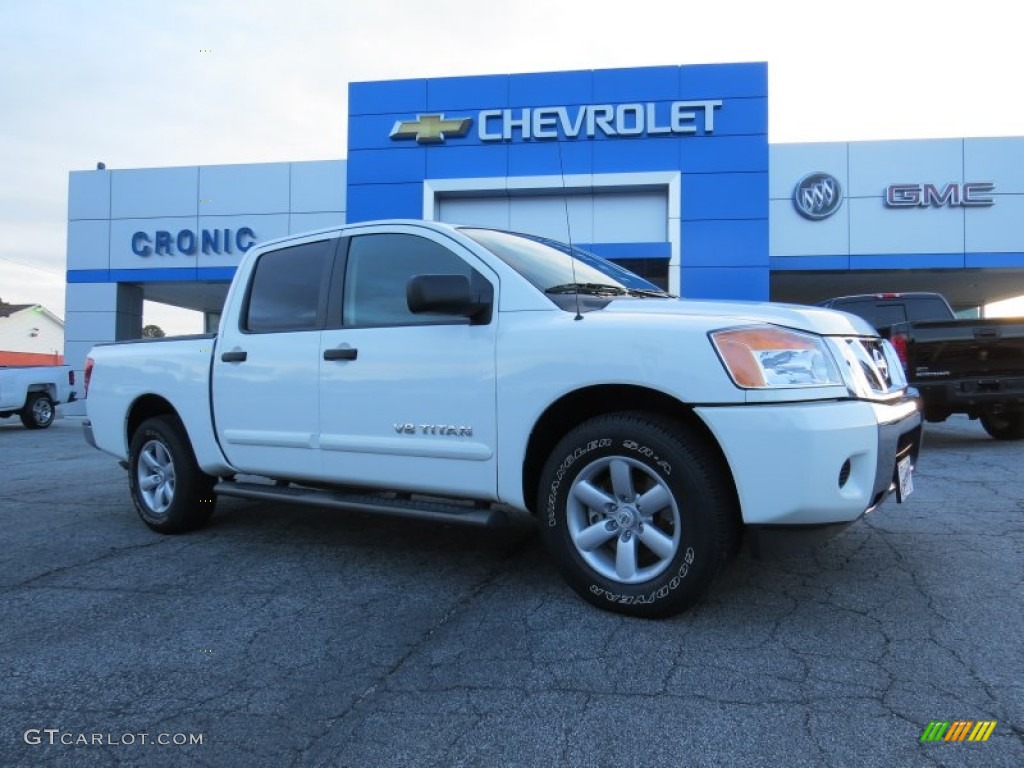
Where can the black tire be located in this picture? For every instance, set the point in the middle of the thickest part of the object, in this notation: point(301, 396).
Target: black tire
point(1004, 426)
point(39, 411)
point(170, 492)
point(691, 517)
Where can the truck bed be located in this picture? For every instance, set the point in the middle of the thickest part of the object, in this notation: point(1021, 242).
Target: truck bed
point(950, 349)
point(175, 369)
point(965, 366)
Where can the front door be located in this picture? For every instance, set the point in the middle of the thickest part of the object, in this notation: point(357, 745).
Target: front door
point(407, 401)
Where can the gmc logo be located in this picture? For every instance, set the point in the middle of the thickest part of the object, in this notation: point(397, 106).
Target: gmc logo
point(972, 193)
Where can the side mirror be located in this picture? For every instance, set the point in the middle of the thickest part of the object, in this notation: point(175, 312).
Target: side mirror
point(443, 295)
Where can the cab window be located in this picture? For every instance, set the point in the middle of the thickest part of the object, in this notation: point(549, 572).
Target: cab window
point(378, 269)
point(288, 288)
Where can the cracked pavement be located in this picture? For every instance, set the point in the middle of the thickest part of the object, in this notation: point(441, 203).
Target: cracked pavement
point(292, 636)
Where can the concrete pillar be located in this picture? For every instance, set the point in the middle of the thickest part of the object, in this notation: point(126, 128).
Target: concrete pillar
point(211, 322)
point(96, 313)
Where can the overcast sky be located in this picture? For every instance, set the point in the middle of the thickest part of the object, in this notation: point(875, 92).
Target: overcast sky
point(125, 81)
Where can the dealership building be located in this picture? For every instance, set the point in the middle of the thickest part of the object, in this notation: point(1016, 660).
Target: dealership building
point(666, 170)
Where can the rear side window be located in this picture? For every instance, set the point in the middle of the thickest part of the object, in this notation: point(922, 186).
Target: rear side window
point(929, 309)
point(288, 287)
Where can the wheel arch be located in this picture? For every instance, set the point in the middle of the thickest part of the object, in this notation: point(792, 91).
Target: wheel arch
point(47, 389)
point(145, 407)
point(575, 407)
point(197, 433)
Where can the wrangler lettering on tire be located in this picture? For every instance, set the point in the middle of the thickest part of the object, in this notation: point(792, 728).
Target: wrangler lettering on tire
point(640, 514)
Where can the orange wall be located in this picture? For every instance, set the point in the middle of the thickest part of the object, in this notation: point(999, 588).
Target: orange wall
point(30, 358)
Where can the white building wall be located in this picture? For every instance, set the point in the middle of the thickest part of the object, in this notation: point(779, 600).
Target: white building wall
point(789, 234)
point(865, 226)
point(31, 330)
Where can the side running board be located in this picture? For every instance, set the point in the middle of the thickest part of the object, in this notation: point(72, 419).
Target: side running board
point(392, 504)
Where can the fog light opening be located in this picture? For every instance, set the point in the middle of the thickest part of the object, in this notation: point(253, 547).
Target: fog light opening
point(844, 473)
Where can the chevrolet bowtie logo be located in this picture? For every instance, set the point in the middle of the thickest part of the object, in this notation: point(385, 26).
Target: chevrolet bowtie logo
point(431, 129)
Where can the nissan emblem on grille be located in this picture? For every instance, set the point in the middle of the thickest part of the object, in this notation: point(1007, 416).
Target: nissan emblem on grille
point(883, 367)
point(817, 196)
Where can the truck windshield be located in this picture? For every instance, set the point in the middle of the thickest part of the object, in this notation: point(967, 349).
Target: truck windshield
point(545, 264)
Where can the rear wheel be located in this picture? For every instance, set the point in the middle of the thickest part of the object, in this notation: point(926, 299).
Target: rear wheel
point(1004, 426)
point(639, 514)
point(170, 492)
point(38, 412)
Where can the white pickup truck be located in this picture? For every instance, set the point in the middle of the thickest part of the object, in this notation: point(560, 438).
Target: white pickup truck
point(34, 392)
point(455, 373)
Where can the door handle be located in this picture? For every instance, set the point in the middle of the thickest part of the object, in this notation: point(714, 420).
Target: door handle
point(341, 353)
point(237, 356)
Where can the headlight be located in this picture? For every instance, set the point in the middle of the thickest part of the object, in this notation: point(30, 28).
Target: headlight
point(764, 356)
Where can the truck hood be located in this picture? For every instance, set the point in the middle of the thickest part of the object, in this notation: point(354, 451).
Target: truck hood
point(826, 322)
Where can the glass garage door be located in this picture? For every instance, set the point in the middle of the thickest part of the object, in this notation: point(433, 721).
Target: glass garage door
point(627, 227)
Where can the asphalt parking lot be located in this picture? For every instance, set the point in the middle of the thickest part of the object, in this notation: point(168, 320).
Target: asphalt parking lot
point(296, 636)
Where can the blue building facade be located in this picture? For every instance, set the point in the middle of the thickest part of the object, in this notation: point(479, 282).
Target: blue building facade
point(664, 169)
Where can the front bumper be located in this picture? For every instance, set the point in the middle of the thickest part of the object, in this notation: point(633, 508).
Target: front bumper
point(815, 463)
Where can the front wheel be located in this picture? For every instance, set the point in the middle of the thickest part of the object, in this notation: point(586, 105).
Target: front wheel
point(170, 492)
point(639, 514)
point(1004, 426)
point(38, 412)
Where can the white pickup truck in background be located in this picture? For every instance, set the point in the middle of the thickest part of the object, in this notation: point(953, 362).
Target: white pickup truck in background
point(456, 373)
point(34, 392)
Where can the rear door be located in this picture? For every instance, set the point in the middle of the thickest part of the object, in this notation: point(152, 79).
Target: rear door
point(266, 370)
point(407, 401)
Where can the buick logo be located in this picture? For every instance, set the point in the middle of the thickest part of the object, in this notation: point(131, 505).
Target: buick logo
point(817, 196)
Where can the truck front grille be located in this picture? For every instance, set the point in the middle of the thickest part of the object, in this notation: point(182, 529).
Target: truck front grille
point(873, 370)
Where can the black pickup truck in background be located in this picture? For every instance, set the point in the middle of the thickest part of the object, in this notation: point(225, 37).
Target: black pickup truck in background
point(974, 367)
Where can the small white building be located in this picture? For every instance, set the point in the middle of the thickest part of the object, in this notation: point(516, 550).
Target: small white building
point(30, 335)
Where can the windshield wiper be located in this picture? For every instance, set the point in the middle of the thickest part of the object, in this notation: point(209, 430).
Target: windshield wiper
point(648, 293)
point(595, 289)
